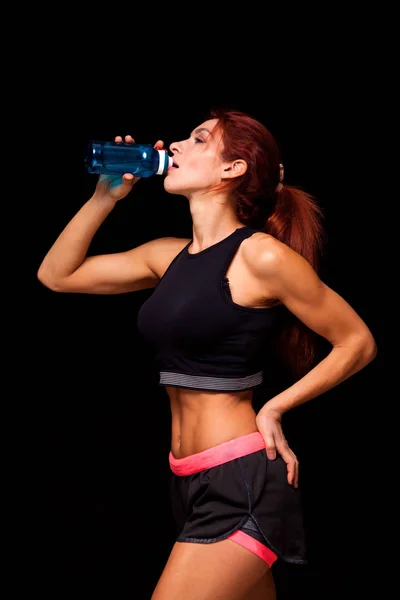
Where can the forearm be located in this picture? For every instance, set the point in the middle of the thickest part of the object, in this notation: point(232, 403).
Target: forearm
point(340, 364)
point(70, 248)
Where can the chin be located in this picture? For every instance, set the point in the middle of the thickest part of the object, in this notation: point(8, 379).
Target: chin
point(170, 187)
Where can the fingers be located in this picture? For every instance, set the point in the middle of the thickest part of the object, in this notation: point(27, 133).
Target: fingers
point(295, 478)
point(127, 178)
point(125, 181)
point(288, 456)
point(128, 139)
point(270, 445)
point(274, 447)
point(275, 443)
point(292, 465)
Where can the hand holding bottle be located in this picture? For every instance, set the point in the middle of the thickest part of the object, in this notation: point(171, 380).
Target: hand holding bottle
point(116, 186)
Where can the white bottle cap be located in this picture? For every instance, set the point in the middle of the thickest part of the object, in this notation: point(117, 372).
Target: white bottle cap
point(164, 163)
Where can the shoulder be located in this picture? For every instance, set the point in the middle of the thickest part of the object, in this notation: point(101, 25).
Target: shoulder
point(161, 252)
point(265, 256)
point(168, 244)
point(262, 252)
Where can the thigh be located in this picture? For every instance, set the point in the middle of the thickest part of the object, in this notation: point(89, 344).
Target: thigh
point(221, 570)
point(264, 588)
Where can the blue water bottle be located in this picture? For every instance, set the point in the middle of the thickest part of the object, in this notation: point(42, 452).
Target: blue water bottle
point(117, 158)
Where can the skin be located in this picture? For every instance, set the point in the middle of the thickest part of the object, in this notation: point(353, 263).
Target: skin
point(262, 270)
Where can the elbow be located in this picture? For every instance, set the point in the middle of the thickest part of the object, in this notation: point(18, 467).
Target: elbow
point(46, 280)
point(372, 350)
point(360, 350)
point(41, 275)
point(367, 349)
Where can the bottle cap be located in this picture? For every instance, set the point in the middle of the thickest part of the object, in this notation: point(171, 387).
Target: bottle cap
point(165, 162)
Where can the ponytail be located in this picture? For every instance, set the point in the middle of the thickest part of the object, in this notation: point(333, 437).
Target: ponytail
point(297, 222)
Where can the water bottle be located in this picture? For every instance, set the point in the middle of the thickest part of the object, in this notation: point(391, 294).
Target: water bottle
point(117, 158)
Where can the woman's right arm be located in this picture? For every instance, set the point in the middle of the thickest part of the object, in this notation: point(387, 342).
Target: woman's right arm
point(66, 268)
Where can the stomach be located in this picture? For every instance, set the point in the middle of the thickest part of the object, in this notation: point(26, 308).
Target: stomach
point(201, 420)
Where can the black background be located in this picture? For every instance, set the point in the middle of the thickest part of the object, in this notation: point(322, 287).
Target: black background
point(100, 421)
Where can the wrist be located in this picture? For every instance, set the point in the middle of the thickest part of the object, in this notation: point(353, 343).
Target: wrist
point(103, 200)
point(270, 410)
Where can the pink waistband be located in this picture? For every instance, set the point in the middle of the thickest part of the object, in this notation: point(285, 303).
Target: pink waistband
point(212, 457)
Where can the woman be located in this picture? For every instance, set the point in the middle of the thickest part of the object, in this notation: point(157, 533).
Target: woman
point(242, 289)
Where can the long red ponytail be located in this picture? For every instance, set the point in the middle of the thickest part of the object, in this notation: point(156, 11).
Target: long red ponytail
point(297, 222)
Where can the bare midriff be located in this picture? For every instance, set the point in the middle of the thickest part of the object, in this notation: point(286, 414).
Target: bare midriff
point(202, 420)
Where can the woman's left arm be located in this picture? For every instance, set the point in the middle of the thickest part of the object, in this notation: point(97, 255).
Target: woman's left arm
point(291, 279)
point(287, 276)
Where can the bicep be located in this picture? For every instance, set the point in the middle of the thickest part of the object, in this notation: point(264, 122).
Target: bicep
point(111, 274)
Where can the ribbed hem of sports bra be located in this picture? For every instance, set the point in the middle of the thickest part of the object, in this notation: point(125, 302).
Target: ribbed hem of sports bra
point(210, 382)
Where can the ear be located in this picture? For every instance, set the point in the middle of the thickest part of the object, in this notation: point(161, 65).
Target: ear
point(233, 169)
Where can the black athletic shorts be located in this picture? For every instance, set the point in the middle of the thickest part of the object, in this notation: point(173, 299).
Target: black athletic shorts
point(234, 491)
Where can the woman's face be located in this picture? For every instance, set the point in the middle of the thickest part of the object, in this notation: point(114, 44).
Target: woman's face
point(197, 159)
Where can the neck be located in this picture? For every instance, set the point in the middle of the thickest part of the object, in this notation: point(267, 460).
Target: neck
point(213, 219)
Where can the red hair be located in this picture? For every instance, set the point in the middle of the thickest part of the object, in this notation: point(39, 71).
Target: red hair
point(286, 212)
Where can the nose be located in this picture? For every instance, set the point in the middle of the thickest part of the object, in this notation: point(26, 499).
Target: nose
point(175, 147)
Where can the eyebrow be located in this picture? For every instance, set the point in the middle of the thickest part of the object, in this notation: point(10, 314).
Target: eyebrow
point(200, 129)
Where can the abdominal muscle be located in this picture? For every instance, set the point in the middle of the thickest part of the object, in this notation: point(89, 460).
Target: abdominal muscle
point(201, 420)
